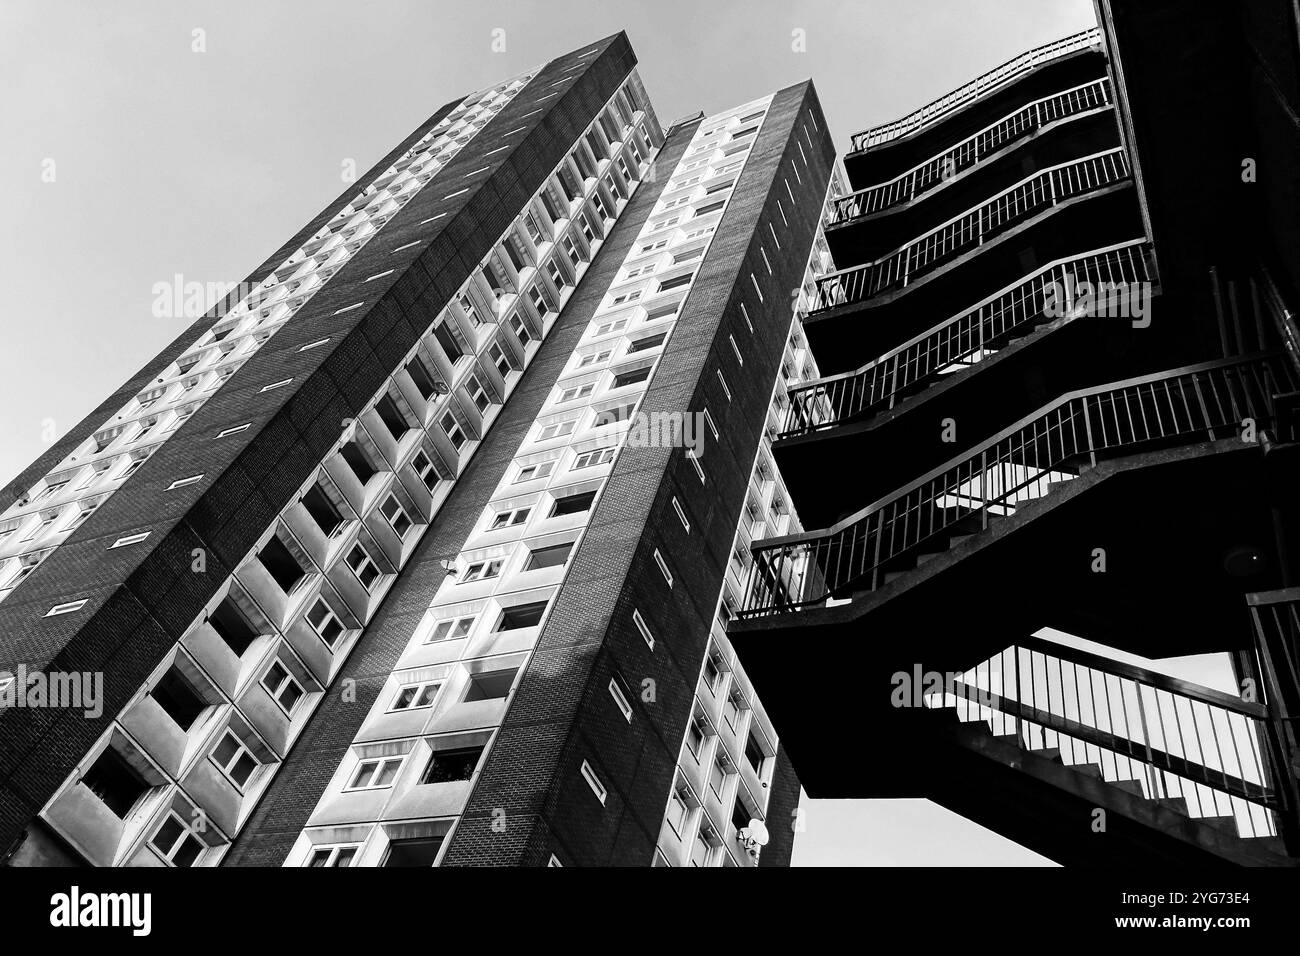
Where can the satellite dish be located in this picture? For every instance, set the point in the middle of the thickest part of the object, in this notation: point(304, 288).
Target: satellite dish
point(758, 832)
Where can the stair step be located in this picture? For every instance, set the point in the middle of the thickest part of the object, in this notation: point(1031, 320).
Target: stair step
point(893, 576)
point(1088, 770)
point(1225, 824)
point(1177, 804)
point(1049, 753)
point(1129, 786)
point(1053, 485)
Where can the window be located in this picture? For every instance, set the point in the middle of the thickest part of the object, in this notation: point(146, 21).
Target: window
point(448, 766)
point(482, 570)
point(325, 622)
point(454, 432)
point(421, 851)
point(736, 348)
point(50, 490)
point(470, 311)
point(702, 849)
point(576, 392)
point(182, 482)
point(589, 459)
point(681, 515)
point(425, 382)
point(591, 358)
point(676, 282)
point(477, 393)
point(490, 685)
point(41, 526)
point(67, 608)
point(612, 416)
point(510, 518)
point(710, 208)
point(178, 699)
point(396, 515)
point(731, 711)
point(540, 303)
point(375, 774)
point(392, 417)
point(557, 430)
point(648, 342)
point(607, 327)
point(450, 630)
point(521, 616)
point(740, 815)
point(712, 674)
point(363, 566)
point(694, 737)
point(176, 842)
point(358, 461)
point(620, 699)
point(663, 567)
point(593, 781)
point(135, 462)
point(333, 856)
point(425, 471)
point(448, 342)
point(663, 311)
point(235, 760)
point(98, 471)
point(718, 774)
point(573, 504)
point(232, 626)
point(281, 565)
point(551, 557)
point(539, 470)
point(283, 688)
point(85, 510)
point(677, 811)
point(322, 510)
point(231, 431)
point(416, 696)
point(755, 755)
point(644, 628)
point(115, 782)
point(499, 360)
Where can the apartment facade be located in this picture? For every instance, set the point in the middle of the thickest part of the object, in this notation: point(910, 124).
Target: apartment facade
point(1064, 338)
point(415, 549)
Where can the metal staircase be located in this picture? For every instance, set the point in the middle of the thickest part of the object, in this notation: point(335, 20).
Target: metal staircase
point(1194, 763)
point(1009, 475)
point(957, 345)
point(1035, 195)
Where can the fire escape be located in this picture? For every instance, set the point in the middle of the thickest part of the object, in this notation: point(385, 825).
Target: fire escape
point(1021, 434)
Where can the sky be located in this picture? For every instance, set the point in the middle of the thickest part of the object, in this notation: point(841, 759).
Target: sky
point(132, 158)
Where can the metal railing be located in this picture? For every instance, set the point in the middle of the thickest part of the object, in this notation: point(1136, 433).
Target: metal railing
point(970, 229)
point(1010, 70)
point(923, 177)
point(1197, 403)
point(1284, 319)
point(964, 339)
point(1275, 616)
point(1205, 753)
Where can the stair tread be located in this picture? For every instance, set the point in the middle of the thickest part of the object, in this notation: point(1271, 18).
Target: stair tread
point(1130, 786)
